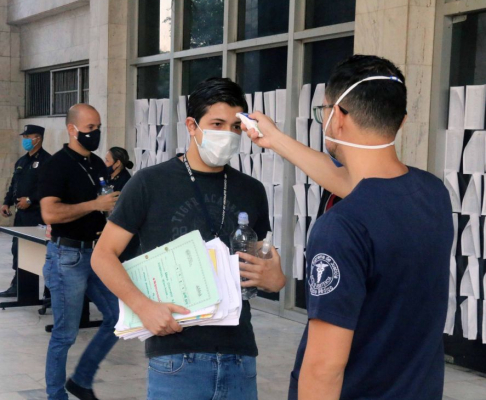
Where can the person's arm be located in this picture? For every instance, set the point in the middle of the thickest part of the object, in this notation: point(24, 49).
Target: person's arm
point(265, 274)
point(325, 358)
point(9, 200)
point(156, 317)
point(54, 211)
point(318, 166)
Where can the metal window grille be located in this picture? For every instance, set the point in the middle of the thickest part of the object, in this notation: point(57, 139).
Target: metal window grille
point(39, 94)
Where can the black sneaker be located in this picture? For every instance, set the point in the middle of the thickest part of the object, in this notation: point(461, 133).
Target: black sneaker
point(80, 392)
point(10, 292)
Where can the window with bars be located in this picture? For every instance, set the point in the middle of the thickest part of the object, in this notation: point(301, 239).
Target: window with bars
point(54, 92)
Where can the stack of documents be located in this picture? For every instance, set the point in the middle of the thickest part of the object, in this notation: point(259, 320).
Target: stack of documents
point(202, 277)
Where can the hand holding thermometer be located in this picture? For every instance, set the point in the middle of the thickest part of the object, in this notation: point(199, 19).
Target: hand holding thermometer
point(249, 123)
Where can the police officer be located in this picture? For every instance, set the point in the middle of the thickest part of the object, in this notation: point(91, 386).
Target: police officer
point(23, 190)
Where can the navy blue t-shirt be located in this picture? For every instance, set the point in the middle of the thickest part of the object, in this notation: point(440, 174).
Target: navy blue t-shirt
point(378, 264)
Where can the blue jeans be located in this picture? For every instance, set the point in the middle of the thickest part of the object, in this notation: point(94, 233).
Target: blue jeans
point(202, 376)
point(69, 276)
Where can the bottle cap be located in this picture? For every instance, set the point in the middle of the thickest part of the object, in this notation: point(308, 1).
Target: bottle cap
point(102, 181)
point(243, 218)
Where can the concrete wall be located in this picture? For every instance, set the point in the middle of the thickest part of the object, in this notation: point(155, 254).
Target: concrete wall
point(11, 100)
point(403, 31)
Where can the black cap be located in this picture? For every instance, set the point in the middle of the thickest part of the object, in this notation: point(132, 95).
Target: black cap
point(30, 129)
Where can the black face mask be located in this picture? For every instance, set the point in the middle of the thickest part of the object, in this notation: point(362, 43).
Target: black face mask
point(89, 140)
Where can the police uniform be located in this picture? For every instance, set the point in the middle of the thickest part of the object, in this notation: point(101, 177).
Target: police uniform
point(24, 184)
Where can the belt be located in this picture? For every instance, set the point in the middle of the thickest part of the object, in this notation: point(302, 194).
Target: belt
point(78, 244)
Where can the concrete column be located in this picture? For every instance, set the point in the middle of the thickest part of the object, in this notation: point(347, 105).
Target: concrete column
point(11, 101)
point(107, 68)
point(403, 31)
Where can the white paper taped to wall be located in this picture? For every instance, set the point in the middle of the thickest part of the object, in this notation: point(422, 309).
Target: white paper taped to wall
point(473, 158)
point(315, 135)
point(470, 280)
point(277, 200)
point(249, 101)
point(278, 170)
point(182, 135)
point(302, 130)
point(456, 108)
point(300, 176)
point(269, 99)
point(152, 138)
point(267, 167)
point(280, 100)
point(182, 109)
point(258, 102)
point(160, 109)
point(299, 263)
point(451, 182)
point(471, 203)
point(455, 223)
point(141, 111)
point(300, 233)
point(269, 189)
point(299, 204)
point(469, 318)
point(313, 200)
point(318, 98)
point(305, 102)
point(152, 116)
point(470, 244)
point(166, 112)
point(451, 315)
point(475, 107)
point(257, 166)
point(454, 142)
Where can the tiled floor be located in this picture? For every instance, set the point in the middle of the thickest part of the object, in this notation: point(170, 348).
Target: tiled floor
point(23, 344)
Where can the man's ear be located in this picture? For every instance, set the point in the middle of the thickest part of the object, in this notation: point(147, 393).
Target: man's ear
point(71, 130)
point(337, 122)
point(191, 125)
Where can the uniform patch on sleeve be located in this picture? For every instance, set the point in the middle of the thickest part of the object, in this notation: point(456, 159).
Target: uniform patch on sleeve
point(324, 275)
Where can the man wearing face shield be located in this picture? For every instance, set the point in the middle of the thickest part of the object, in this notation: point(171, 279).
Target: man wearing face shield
point(70, 202)
point(23, 191)
point(194, 191)
point(378, 261)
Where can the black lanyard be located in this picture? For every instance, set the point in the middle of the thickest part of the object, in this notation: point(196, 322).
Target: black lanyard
point(200, 198)
point(81, 165)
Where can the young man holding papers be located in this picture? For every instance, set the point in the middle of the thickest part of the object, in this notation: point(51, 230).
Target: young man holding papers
point(196, 191)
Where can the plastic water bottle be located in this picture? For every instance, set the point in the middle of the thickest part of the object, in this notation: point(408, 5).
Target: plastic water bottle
point(105, 189)
point(265, 253)
point(244, 240)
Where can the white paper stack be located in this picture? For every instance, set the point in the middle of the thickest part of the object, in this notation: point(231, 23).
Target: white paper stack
point(204, 276)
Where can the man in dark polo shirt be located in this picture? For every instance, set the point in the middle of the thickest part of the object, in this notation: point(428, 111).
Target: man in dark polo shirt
point(70, 202)
point(23, 191)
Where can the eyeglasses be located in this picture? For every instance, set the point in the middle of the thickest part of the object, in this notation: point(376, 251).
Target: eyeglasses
point(318, 111)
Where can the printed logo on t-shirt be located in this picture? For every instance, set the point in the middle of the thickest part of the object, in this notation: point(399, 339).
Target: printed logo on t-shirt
point(324, 275)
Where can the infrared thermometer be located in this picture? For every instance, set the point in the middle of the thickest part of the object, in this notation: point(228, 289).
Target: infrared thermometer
point(249, 122)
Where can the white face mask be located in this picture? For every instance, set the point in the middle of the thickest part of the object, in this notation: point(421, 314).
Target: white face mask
point(359, 146)
point(217, 147)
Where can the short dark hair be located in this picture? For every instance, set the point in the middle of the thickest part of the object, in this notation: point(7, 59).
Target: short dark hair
point(212, 91)
point(119, 153)
point(380, 105)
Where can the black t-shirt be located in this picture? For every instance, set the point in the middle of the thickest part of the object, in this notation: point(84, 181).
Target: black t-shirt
point(159, 203)
point(378, 264)
point(74, 179)
point(119, 181)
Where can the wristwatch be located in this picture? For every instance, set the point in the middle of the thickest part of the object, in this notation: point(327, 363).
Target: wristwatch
point(28, 200)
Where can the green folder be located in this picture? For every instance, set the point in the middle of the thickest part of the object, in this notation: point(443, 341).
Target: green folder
point(178, 272)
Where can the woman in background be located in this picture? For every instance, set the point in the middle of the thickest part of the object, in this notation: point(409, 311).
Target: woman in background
point(117, 161)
